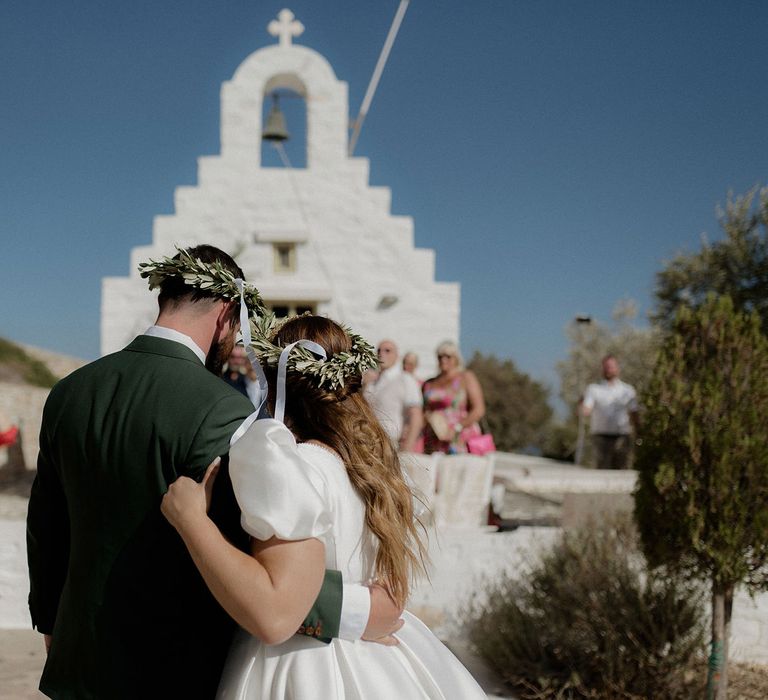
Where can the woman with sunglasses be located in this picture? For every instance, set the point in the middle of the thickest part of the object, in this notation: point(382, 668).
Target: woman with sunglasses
point(453, 404)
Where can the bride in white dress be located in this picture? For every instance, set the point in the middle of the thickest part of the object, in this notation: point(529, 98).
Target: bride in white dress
point(335, 499)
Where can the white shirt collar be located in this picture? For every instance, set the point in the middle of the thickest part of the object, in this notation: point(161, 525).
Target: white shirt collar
point(176, 337)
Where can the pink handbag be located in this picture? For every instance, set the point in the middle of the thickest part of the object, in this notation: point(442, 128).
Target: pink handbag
point(481, 444)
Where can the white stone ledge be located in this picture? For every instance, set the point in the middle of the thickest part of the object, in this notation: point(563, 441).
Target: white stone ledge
point(539, 475)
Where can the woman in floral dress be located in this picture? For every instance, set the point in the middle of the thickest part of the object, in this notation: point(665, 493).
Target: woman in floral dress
point(453, 404)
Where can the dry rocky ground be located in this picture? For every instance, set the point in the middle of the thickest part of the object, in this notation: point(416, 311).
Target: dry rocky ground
point(21, 661)
point(748, 682)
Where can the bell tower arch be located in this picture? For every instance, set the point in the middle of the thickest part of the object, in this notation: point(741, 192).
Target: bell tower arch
point(297, 68)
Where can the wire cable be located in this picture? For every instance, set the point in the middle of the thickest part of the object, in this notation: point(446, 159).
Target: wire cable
point(377, 71)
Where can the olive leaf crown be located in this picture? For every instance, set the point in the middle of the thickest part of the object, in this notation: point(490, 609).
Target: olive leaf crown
point(331, 373)
point(213, 278)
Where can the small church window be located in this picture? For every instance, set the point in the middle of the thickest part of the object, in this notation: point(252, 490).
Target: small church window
point(280, 310)
point(285, 257)
point(283, 309)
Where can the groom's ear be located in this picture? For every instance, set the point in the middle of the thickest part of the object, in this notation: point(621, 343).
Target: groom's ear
point(228, 315)
point(233, 313)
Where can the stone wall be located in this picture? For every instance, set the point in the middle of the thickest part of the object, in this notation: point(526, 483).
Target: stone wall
point(60, 365)
point(24, 407)
point(23, 404)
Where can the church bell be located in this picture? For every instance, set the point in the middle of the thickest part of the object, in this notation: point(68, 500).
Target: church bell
point(275, 129)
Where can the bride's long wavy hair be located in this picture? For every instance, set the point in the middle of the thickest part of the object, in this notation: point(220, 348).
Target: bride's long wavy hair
point(343, 420)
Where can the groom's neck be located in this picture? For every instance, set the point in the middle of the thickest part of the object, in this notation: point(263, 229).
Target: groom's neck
point(200, 327)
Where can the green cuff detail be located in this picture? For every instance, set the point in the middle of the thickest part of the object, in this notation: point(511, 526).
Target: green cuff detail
point(322, 622)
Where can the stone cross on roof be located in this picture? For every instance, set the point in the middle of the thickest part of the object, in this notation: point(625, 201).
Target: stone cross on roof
point(285, 26)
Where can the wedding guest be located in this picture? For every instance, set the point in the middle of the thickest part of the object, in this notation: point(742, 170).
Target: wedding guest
point(612, 408)
point(453, 403)
point(410, 363)
point(239, 374)
point(395, 399)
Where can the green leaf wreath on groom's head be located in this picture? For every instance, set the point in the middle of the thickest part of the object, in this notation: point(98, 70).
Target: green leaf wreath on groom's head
point(212, 278)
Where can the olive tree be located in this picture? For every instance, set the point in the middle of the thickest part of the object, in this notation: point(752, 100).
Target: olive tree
point(735, 265)
point(702, 494)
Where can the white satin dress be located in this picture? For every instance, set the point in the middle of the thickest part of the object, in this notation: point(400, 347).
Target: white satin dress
point(298, 491)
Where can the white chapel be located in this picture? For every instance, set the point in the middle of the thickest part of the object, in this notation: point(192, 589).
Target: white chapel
point(316, 238)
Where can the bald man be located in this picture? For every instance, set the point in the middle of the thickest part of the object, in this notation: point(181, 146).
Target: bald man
point(396, 399)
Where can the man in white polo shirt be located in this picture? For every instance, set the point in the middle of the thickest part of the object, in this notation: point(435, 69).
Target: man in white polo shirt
point(396, 399)
point(612, 408)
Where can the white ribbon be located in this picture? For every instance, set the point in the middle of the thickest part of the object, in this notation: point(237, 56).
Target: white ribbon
point(245, 330)
point(282, 370)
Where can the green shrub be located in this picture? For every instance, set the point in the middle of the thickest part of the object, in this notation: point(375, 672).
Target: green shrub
point(589, 621)
point(31, 370)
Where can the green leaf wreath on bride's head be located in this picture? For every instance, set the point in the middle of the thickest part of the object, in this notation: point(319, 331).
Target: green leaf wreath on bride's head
point(331, 373)
point(212, 278)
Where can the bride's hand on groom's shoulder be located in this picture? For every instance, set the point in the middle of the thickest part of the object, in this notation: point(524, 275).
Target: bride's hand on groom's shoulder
point(186, 501)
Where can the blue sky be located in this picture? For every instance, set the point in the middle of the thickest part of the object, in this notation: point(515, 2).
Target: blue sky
point(552, 153)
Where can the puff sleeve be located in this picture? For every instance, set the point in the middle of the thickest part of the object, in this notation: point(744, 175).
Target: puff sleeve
point(279, 493)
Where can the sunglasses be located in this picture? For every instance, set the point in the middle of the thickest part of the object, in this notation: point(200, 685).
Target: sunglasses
point(444, 356)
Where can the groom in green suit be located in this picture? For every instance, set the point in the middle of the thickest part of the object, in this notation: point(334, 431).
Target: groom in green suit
point(124, 612)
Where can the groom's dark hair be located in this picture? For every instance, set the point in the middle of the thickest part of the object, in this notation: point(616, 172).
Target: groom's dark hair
point(173, 291)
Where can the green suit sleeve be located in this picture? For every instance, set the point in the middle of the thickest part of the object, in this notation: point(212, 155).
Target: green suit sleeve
point(47, 539)
point(323, 619)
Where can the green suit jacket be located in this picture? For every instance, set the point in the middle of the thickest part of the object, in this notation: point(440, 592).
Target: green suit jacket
point(110, 578)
